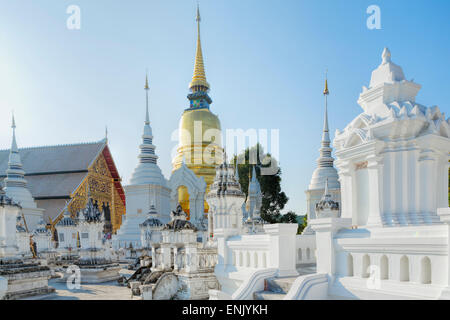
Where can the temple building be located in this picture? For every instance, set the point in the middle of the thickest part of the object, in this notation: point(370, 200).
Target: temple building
point(199, 131)
point(57, 176)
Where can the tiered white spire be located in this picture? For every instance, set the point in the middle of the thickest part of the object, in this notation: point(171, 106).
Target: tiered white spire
point(15, 175)
point(325, 169)
point(254, 197)
point(325, 160)
point(147, 148)
point(147, 171)
point(16, 185)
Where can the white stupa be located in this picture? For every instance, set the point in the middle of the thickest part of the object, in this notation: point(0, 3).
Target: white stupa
point(16, 186)
point(325, 172)
point(147, 187)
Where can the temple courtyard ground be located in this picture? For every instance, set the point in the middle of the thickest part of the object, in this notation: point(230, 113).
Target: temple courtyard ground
point(101, 291)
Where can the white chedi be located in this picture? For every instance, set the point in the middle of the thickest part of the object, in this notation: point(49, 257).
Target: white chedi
point(147, 186)
point(16, 185)
point(325, 172)
point(225, 200)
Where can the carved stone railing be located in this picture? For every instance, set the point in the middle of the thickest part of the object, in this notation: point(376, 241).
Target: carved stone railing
point(309, 287)
point(207, 259)
point(253, 284)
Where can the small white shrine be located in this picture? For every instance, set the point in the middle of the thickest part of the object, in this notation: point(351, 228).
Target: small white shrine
point(19, 276)
point(67, 236)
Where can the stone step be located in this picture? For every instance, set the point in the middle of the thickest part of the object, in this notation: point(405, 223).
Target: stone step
point(279, 285)
point(268, 295)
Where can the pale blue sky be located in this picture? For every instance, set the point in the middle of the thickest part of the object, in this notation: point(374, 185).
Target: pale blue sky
point(265, 61)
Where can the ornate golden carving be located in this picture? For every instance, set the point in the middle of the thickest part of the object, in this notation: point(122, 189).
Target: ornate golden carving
point(102, 190)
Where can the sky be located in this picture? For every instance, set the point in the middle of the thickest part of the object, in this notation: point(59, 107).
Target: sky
point(265, 62)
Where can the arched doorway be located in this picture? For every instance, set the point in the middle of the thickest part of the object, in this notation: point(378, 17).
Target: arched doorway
point(404, 269)
point(425, 276)
point(365, 266)
point(384, 268)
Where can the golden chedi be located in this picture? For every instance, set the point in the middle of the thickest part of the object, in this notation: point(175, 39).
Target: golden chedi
point(199, 130)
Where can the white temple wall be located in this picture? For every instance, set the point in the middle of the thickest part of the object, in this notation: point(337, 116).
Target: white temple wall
point(345, 179)
point(362, 196)
point(305, 247)
point(405, 268)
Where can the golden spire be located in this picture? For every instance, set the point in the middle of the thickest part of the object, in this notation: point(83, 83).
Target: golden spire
point(199, 78)
point(325, 91)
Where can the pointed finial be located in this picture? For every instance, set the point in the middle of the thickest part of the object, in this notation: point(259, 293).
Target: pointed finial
point(199, 82)
point(198, 19)
point(147, 118)
point(325, 91)
point(14, 143)
point(13, 122)
point(386, 56)
point(106, 132)
point(146, 82)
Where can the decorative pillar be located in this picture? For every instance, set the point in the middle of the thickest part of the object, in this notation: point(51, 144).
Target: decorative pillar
point(191, 252)
point(175, 257)
point(375, 168)
point(345, 179)
point(326, 229)
point(428, 182)
point(282, 243)
point(210, 224)
point(165, 255)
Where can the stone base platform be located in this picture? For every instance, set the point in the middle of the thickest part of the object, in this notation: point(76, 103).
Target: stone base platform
point(25, 279)
point(195, 286)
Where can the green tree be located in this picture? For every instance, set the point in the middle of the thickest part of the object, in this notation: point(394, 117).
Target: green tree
point(273, 199)
point(289, 217)
point(302, 223)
